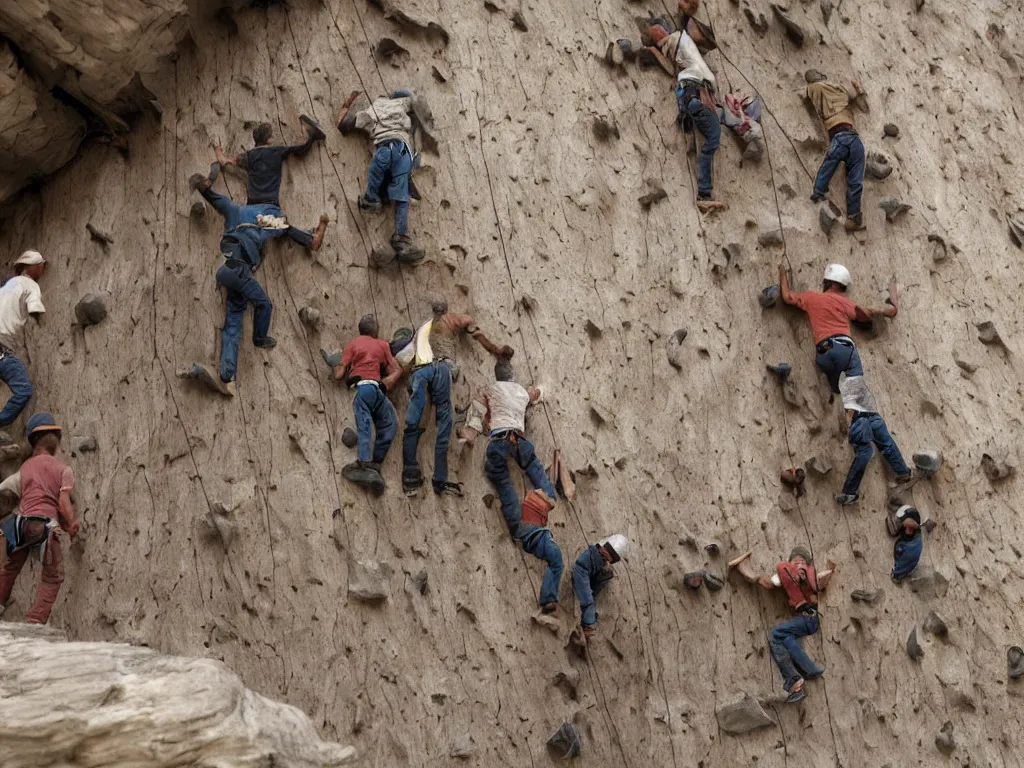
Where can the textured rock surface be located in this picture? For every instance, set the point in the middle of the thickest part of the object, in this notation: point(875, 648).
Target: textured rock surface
point(524, 201)
point(87, 705)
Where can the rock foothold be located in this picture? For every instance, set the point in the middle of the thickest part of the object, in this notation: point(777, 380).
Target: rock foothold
point(781, 371)
point(869, 596)
point(914, 649)
point(1016, 225)
point(565, 742)
point(712, 582)
point(674, 348)
point(793, 30)
point(349, 438)
point(995, 468)
point(770, 239)
point(827, 219)
point(198, 210)
point(369, 580)
point(987, 333)
point(893, 208)
point(891, 130)
point(312, 319)
point(655, 195)
point(83, 444)
point(944, 740)
point(769, 296)
point(743, 715)
point(936, 625)
point(817, 466)
point(605, 129)
point(1015, 662)
point(90, 309)
point(877, 166)
point(756, 20)
point(927, 462)
point(462, 748)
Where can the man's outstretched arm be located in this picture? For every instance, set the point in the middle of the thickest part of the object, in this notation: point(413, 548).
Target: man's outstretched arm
point(784, 290)
point(893, 308)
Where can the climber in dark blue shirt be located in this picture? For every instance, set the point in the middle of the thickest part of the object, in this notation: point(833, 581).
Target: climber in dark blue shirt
point(909, 542)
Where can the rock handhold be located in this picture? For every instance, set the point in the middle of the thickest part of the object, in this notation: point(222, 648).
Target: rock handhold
point(463, 747)
point(408, 20)
point(769, 296)
point(827, 219)
point(877, 166)
point(693, 579)
point(927, 462)
point(568, 683)
point(369, 580)
point(99, 235)
point(593, 330)
point(770, 239)
point(743, 715)
point(656, 194)
point(1015, 662)
point(349, 438)
point(793, 30)
point(220, 522)
point(997, 469)
point(987, 333)
point(869, 596)
point(914, 649)
point(928, 582)
point(936, 625)
point(939, 252)
point(826, 10)
point(387, 48)
point(891, 130)
point(1016, 225)
point(781, 371)
point(733, 253)
point(565, 742)
point(712, 582)
point(757, 21)
point(944, 740)
point(674, 348)
point(818, 466)
point(312, 319)
point(605, 129)
point(893, 208)
point(90, 309)
point(83, 444)
point(519, 22)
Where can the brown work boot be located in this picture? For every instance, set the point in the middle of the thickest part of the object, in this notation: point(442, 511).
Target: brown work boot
point(709, 206)
point(589, 632)
point(855, 223)
point(318, 233)
point(406, 251)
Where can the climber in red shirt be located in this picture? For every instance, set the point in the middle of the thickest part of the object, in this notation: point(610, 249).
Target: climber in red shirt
point(46, 507)
point(830, 313)
point(802, 584)
point(368, 366)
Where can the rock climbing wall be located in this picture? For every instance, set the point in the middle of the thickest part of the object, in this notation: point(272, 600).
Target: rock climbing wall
point(531, 218)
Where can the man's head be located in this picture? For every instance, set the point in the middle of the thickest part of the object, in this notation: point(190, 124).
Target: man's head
point(910, 519)
point(31, 264)
point(261, 134)
point(813, 76)
point(801, 554)
point(657, 33)
point(43, 433)
point(614, 548)
point(368, 326)
point(438, 304)
point(837, 278)
point(503, 370)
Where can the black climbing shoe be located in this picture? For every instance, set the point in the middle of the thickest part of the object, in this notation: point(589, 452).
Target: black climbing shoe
point(452, 489)
point(313, 128)
point(268, 343)
point(411, 482)
point(782, 370)
point(364, 474)
point(796, 696)
point(847, 499)
point(549, 608)
point(405, 250)
point(368, 206)
point(816, 198)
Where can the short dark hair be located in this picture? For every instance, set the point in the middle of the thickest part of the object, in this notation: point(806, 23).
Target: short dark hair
point(39, 437)
point(19, 268)
point(368, 325)
point(261, 133)
point(503, 370)
point(825, 286)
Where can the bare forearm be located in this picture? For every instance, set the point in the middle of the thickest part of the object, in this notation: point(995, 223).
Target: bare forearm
point(784, 290)
point(67, 510)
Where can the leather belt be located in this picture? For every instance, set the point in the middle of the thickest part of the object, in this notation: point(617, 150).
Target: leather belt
point(825, 345)
point(368, 381)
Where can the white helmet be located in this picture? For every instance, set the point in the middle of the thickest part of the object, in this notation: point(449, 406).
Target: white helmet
point(616, 545)
point(837, 273)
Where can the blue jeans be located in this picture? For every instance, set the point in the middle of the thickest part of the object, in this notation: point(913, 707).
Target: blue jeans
point(392, 162)
point(541, 544)
point(235, 214)
point(587, 589)
point(846, 148)
point(301, 236)
point(496, 468)
point(236, 276)
point(838, 360)
point(15, 376)
point(792, 661)
point(866, 431)
point(710, 128)
point(373, 409)
point(435, 380)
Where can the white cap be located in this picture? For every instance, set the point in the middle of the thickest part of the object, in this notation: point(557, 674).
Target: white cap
point(28, 258)
point(617, 546)
point(837, 273)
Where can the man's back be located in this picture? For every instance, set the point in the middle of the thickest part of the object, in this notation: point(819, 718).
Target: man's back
point(42, 478)
point(831, 102)
point(364, 357)
point(508, 403)
point(18, 297)
point(264, 164)
point(830, 313)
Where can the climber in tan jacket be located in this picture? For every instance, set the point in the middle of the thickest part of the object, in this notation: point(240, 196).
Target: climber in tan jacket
point(831, 103)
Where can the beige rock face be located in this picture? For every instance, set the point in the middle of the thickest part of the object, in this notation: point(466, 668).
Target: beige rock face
point(532, 225)
point(115, 706)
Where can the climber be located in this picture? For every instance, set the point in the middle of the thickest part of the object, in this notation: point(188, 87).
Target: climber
point(433, 370)
point(695, 85)
point(528, 526)
point(505, 420)
point(365, 359)
point(592, 572)
point(264, 164)
point(44, 484)
point(20, 298)
point(831, 102)
point(867, 429)
point(698, 31)
point(389, 123)
point(830, 313)
point(246, 231)
point(905, 525)
point(802, 585)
